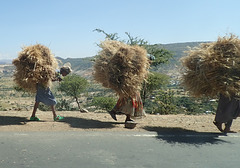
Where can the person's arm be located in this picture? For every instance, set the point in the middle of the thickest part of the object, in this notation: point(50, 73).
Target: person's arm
point(58, 77)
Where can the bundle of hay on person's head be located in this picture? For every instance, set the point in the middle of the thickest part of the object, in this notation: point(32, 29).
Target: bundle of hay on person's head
point(121, 67)
point(35, 64)
point(213, 68)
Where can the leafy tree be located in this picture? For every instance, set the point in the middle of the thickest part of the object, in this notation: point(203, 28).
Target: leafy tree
point(155, 81)
point(161, 55)
point(111, 36)
point(135, 40)
point(74, 85)
point(189, 104)
point(166, 102)
point(105, 103)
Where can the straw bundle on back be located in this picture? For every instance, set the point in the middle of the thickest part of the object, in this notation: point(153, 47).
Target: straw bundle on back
point(35, 64)
point(121, 67)
point(213, 68)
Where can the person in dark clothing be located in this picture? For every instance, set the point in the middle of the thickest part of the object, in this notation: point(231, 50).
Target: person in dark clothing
point(227, 110)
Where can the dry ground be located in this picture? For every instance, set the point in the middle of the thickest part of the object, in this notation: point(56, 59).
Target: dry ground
point(76, 121)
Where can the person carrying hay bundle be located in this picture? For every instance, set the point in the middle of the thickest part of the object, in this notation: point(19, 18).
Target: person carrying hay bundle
point(122, 68)
point(45, 95)
point(132, 107)
point(35, 71)
point(227, 110)
point(212, 70)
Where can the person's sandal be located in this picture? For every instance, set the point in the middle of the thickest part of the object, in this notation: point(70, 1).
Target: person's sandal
point(34, 119)
point(130, 124)
point(58, 118)
point(218, 125)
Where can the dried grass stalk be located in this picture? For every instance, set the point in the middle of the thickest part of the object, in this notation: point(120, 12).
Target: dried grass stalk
point(213, 68)
point(121, 67)
point(35, 64)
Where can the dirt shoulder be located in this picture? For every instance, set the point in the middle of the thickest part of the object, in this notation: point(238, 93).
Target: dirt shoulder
point(18, 121)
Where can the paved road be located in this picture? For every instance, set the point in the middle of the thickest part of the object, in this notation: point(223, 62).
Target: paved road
point(119, 150)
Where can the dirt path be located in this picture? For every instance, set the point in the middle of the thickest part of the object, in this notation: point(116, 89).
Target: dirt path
point(76, 121)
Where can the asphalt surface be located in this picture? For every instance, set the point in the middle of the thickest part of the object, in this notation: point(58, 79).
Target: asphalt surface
point(119, 150)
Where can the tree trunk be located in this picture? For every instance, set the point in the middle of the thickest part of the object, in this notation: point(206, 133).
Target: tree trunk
point(79, 107)
point(78, 104)
point(144, 92)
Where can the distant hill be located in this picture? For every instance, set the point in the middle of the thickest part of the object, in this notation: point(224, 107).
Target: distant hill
point(177, 50)
point(83, 66)
point(77, 63)
point(80, 66)
point(5, 61)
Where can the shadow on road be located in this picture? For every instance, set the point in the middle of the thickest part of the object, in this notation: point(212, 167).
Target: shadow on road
point(88, 123)
point(10, 120)
point(180, 135)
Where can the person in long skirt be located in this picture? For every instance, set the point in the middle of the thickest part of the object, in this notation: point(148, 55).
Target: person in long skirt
point(132, 107)
point(45, 96)
point(227, 110)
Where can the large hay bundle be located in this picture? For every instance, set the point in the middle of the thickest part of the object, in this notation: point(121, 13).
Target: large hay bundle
point(213, 68)
point(35, 64)
point(121, 67)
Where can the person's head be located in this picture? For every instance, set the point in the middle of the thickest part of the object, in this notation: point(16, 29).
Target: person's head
point(65, 70)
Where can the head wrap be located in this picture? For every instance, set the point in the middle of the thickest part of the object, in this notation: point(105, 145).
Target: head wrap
point(66, 69)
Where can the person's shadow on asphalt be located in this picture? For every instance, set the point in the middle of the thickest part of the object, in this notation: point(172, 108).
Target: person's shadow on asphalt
point(183, 136)
point(12, 120)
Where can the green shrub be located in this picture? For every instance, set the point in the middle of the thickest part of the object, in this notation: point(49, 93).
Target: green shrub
point(63, 105)
point(104, 103)
point(165, 103)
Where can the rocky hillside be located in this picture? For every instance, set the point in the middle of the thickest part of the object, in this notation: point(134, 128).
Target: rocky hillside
point(79, 64)
point(178, 51)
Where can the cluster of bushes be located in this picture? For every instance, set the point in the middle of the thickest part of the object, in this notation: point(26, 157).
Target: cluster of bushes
point(166, 102)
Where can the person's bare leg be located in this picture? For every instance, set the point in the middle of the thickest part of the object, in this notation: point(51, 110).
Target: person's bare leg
point(128, 118)
point(35, 109)
point(113, 114)
point(53, 111)
point(55, 116)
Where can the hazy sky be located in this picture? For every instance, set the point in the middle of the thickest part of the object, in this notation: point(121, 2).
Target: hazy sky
point(66, 26)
